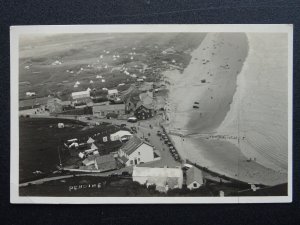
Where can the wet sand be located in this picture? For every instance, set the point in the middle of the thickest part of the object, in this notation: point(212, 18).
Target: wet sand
point(219, 59)
point(259, 111)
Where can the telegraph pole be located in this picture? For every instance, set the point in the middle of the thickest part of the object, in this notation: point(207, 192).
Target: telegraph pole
point(60, 164)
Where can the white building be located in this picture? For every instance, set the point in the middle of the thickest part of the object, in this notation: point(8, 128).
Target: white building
point(112, 93)
point(81, 94)
point(194, 178)
point(30, 94)
point(119, 135)
point(163, 178)
point(136, 151)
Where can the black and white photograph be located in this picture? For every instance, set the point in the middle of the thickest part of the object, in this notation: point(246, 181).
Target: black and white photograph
point(151, 114)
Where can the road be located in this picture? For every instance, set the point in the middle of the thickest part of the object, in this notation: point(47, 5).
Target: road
point(143, 130)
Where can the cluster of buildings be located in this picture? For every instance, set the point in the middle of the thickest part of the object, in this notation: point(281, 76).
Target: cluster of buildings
point(165, 179)
point(122, 102)
point(132, 151)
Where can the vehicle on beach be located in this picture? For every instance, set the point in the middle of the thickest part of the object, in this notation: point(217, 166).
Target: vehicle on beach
point(132, 120)
point(158, 133)
point(195, 107)
point(196, 103)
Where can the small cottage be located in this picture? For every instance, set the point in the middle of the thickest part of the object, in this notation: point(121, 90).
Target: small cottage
point(194, 178)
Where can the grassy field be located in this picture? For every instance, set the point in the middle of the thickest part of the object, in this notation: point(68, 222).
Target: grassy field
point(76, 51)
point(40, 138)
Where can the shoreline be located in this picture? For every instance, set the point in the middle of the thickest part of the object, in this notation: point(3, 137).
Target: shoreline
point(215, 98)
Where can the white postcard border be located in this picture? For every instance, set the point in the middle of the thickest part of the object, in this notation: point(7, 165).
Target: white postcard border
point(16, 31)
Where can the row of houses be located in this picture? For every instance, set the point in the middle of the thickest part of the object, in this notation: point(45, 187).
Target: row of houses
point(137, 101)
point(166, 178)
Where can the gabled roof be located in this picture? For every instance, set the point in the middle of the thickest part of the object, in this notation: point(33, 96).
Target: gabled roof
point(131, 145)
point(194, 174)
point(79, 94)
point(112, 91)
point(106, 162)
point(34, 101)
point(148, 106)
point(157, 172)
point(123, 159)
point(105, 159)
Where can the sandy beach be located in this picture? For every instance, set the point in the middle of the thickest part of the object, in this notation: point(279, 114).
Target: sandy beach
point(226, 92)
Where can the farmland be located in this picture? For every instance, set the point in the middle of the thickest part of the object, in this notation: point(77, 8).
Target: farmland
point(48, 66)
point(39, 141)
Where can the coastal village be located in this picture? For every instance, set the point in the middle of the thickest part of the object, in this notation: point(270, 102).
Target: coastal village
point(122, 100)
point(128, 151)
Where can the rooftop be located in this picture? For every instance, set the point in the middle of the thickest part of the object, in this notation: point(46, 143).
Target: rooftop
point(157, 172)
point(97, 108)
point(133, 143)
point(34, 101)
point(194, 174)
point(106, 162)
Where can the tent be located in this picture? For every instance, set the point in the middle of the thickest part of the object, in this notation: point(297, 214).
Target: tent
point(90, 140)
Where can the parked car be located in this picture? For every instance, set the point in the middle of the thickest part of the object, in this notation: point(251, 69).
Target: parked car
point(126, 174)
point(123, 125)
point(158, 133)
point(132, 119)
point(114, 175)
